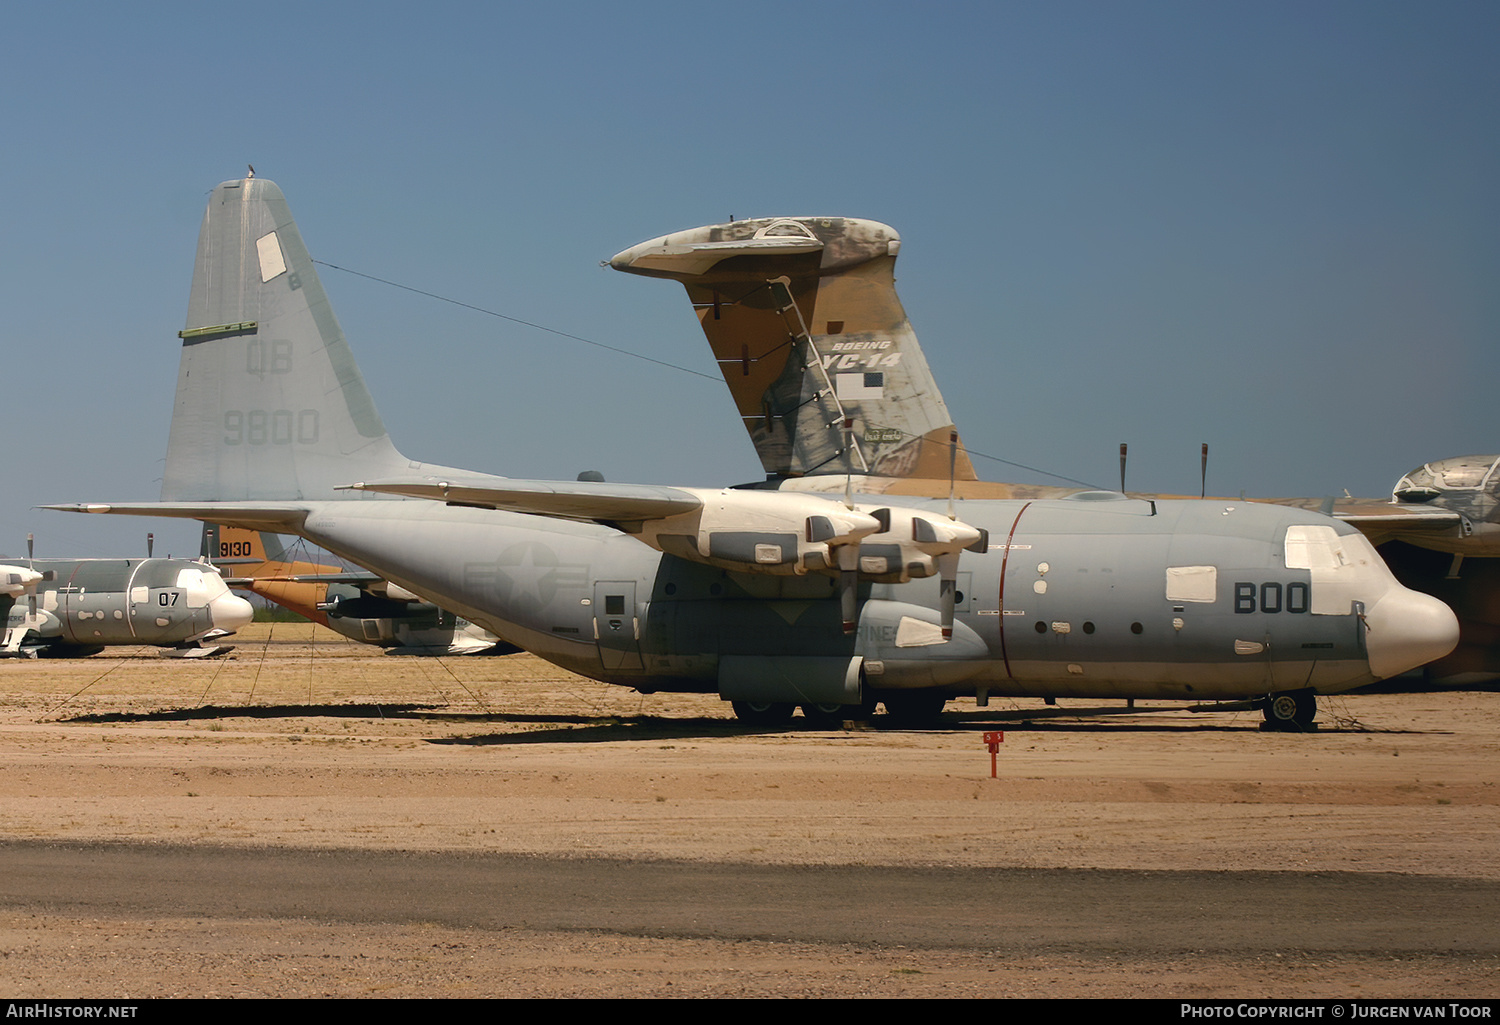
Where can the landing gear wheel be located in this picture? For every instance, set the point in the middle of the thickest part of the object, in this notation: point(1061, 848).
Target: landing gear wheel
point(763, 713)
point(914, 709)
point(1291, 710)
point(826, 717)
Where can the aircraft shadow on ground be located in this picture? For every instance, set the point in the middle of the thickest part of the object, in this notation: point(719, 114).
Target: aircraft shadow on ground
point(603, 727)
point(343, 711)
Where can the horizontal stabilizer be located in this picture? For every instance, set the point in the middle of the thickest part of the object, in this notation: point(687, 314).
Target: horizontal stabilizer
point(287, 516)
point(674, 259)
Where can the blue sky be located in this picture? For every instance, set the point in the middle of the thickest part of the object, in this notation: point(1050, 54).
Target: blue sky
point(1268, 226)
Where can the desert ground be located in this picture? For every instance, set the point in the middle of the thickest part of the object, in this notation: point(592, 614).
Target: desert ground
point(311, 817)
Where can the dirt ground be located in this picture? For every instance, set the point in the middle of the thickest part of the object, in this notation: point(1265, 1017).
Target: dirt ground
point(300, 739)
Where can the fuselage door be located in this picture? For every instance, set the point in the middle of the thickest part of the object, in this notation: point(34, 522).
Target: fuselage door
point(617, 625)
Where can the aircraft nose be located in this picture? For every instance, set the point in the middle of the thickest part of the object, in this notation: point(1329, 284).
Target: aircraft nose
point(229, 612)
point(1407, 629)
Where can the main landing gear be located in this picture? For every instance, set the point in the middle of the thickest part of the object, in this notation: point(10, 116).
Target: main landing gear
point(905, 710)
point(763, 713)
point(1291, 711)
point(779, 713)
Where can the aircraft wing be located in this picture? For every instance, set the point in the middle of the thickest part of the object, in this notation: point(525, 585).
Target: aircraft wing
point(1384, 520)
point(1379, 518)
point(569, 500)
point(1396, 518)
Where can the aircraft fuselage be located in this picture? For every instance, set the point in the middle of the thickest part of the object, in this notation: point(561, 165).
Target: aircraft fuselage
point(1088, 597)
point(87, 604)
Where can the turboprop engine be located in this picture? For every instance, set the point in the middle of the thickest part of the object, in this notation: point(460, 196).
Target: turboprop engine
point(791, 534)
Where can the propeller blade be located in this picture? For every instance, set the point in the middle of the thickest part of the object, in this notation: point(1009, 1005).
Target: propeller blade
point(848, 559)
point(952, 470)
point(848, 595)
point(947, 591)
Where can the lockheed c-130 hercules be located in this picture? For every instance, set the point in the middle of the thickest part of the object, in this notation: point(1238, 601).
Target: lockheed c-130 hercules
point(771, 598)
point(1439, 532)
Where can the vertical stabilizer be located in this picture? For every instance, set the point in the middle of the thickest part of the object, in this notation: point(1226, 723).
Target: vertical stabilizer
point(803, 318)
point(270, 404)
point(257, 561)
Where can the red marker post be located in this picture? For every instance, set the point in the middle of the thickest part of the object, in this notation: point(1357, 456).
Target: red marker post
point(993, 742)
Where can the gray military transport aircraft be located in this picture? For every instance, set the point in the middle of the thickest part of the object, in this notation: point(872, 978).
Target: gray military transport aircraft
point(827, 284)
point(69, 608)
point(770, 598)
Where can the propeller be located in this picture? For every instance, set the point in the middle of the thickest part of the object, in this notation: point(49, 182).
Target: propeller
point(30, 564)
point(947, 563)
point(943, 543)
point(843, 548)
point(15, 581)
point(923, 546)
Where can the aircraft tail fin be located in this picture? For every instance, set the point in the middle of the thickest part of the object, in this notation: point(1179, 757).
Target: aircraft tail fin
point(243, 547)
point(270, 403)
point(256, 561)
point(803, 318)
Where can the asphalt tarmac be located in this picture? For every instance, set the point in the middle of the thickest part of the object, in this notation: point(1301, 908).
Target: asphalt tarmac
point(1003, 911)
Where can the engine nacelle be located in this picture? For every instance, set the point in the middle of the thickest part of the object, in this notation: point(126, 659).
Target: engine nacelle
point(791, 534)
point(913, 544)
point(761, 531)
point(18, 580)
point(395, 592)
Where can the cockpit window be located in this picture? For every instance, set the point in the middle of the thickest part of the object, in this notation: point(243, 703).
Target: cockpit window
point(1342, 568)
point(786, 228)
point(202, 586)
point(1314, 546)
